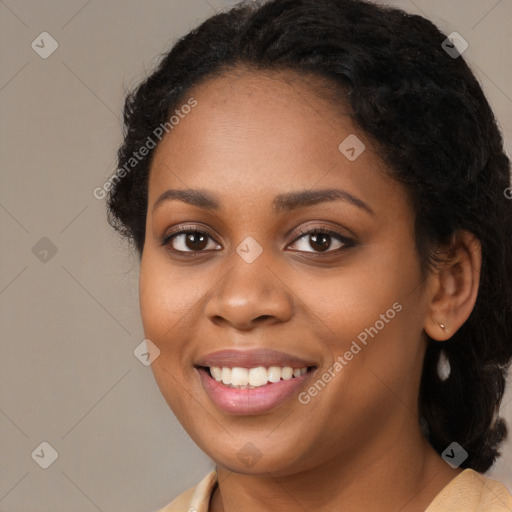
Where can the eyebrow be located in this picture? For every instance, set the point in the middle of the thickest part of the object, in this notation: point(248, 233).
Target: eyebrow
point(304, 198)
point(281, 203)
point(199, 198)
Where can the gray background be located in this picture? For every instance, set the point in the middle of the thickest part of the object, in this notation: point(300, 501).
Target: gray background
point(70, 320)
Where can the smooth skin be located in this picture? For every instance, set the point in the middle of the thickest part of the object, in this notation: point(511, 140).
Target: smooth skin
point(357, 445)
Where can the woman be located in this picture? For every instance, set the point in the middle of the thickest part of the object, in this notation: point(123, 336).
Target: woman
point(317, 192)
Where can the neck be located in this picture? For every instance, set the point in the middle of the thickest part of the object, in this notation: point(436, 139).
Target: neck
point(405, 476)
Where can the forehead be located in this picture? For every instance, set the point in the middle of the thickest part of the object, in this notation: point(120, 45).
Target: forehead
point(254, 115)
point(261, 133)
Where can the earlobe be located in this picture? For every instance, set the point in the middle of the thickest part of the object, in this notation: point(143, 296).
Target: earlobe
point(454, 287)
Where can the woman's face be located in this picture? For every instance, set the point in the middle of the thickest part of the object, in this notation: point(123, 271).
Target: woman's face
point(256, 289)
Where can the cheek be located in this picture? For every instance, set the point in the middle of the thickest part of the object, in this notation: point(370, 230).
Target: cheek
point(164, 304)
point(353, 298)
point(166, 297)
point(374, 315)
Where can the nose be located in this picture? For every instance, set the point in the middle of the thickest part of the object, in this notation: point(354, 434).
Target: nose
point(251, 294)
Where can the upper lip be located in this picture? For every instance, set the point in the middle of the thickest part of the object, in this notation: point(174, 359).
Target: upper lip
point(252, 358)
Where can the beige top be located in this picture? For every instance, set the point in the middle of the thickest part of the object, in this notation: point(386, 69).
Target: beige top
point(467, 492)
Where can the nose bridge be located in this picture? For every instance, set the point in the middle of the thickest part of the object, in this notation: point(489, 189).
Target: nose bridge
point(250, 291)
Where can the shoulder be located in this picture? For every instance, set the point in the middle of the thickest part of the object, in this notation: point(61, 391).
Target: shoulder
point(468, 492)
point(195, 499)
point(472, 492)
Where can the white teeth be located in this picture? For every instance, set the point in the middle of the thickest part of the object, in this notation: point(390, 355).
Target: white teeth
point(274, 374)
point(258, 376)
point(216, 373)
point(248, 378)
point(226, 375)
point(287, 373)
point(239, 376)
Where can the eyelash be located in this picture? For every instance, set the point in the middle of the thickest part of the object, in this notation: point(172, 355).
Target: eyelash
point(347, 242)
point(184, 230)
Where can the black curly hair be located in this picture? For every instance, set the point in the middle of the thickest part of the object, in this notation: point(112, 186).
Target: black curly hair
point(430, 122)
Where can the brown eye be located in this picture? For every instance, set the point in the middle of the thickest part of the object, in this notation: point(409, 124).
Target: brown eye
point(196, 241)
point(191, 240)
point(321, 240)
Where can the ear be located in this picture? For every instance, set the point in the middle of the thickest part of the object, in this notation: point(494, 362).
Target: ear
point(453, 286)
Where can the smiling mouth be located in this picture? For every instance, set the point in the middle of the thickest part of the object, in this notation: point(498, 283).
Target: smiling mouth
point(252, 378)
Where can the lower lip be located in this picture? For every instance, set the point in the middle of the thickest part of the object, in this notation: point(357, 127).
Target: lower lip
point(251, 401)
